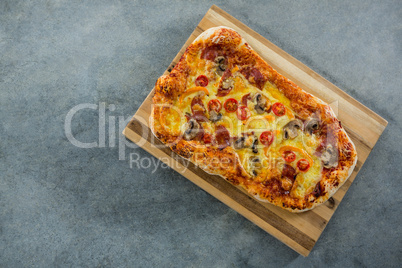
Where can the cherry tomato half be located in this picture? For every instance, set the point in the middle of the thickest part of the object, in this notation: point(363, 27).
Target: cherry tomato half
point(289, 156)
point(230, 105)
point(215, 105)
point(267, 137)
point(243, 113)
point(201, 81)
point(303, 165)
point(279, 109)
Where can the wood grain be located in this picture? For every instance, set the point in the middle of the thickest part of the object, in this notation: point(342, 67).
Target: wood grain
point(299, 231)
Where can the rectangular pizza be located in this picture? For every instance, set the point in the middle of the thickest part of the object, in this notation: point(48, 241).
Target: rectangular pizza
point(225, 109)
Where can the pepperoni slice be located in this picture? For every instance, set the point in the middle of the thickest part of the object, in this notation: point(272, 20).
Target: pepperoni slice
point(243, 113)
point(210, 53)
point(258, 78)
point(198, 109)
point(278, 109)
point(222, 136)
point(207, 138)
point(201, 81)
point(215, 105)
point(266, 138)
point(223, 92)
point(226, 84)
point(230, 105)
point(245, 98)
point(288, 172)
point(318, 190)
point(289, 156)
point(254, 76)
point(303, 165)
point(197, 105)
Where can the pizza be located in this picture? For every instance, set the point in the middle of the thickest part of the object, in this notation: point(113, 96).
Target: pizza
point(225, 109)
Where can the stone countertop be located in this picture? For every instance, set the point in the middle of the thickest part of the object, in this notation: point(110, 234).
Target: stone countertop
point(62, 205)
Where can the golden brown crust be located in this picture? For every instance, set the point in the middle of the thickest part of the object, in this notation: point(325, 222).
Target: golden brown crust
point(170, 87)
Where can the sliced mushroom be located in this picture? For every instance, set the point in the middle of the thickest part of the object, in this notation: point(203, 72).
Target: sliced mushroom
point(192, 129)
point(312, 125)
point(255, 160)
point(254, 146)
point(291, 128)
point(329, 157)
point(222, 66)
point(214, 116)
point(261, 103)
point(228, 83)
point(255, 164)
point(239, 143)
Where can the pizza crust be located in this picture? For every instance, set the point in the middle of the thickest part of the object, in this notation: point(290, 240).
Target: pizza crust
point(169, 87)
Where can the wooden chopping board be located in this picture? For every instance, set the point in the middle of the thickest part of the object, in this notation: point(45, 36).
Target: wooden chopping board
point(299, 231)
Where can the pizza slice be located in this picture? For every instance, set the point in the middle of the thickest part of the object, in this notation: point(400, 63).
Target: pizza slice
point(230, 113)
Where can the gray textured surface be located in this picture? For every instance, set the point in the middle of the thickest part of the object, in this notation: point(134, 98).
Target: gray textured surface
point(66, 206)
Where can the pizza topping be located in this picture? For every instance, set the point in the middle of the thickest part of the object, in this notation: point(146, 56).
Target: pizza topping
point(289, 156)
point(287, 184)
point(192, 90)
point(214, 116)
point(255, 164)
point(192, 129)
point(228, 84)
point(245, 98)
point(291, 128)
point(262, 104)
point(254, 146)
point(303, 165)
point(197, 105)
point(239, 143)
point(247, 140)
point(329, 157)
point(278, 109)
point(254, 76)
point(199, 116)
point(243, 113)
point(296, 149)
point(214, 105)
point(318, 190)
point(312, 125)
point(222, 137)
point(266, 138)
point(198, 109)
point(221, 64)
point(207, 138)
point(288, 172)
point(210, 53)
point(230, 105)
point(250, 139)
point(201, 81)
